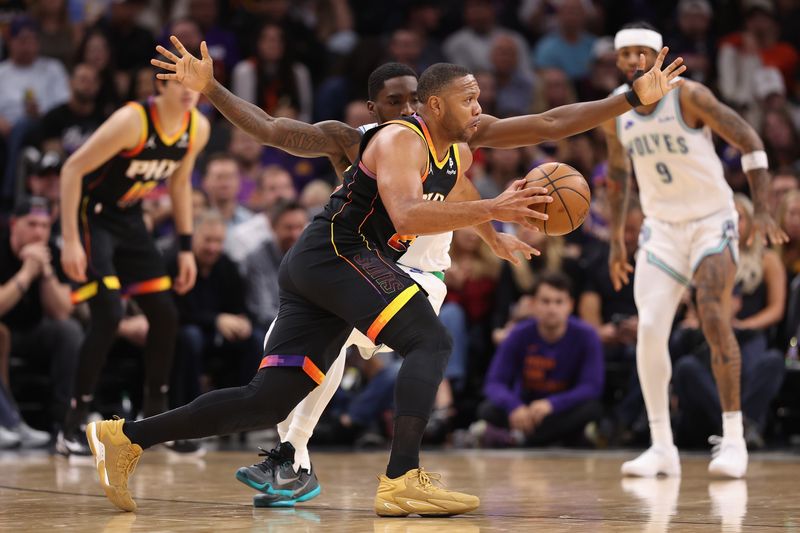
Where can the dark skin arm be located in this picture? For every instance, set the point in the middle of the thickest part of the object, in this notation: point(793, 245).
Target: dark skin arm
point(399, 157)
point(332, 139)
point(618, 190)
point(700, 107)
point(572, 119)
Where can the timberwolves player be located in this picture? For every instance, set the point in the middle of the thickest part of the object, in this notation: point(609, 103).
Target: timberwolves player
point(108, 250)
point(689, 239)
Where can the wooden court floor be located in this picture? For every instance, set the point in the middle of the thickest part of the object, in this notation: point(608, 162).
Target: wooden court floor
point(520, 491)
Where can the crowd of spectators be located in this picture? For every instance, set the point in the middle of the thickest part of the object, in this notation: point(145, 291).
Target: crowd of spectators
point(544, 351)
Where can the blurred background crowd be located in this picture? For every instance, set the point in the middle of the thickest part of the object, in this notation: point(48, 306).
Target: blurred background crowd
point(67, 64)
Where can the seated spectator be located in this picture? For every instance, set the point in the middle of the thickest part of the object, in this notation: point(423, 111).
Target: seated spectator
point(758, 45)
point(95, 50)
point(471, 283)
point(248, 152)
point(13, 429)
point(58, 36)
point(603, 74)
point(30, 85)
point(552, 90)
point(761, 299)
point(35, 302)
point(66, 127)
point(514, 85)
point(782, 183)
point(43, 181)
point(223, 46)
point(274, 184)
point(546, 378)
point(315, 197)
point(470, 46)
point(694, 40)
point(215, 337)
point(221, 182)
point(516, 280)
point(781, 140)
point(789, 220)
point(569, 48)
point(502, 166)
point(288, 220)
point(272, 78)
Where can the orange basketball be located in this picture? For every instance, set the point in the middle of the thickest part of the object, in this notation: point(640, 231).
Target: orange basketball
point(571, 197)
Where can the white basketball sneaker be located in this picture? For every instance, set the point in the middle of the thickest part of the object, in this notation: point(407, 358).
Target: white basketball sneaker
point(654, 461)
point(729, 457)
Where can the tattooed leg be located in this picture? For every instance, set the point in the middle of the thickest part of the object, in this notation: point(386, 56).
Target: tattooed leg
point(714, 282)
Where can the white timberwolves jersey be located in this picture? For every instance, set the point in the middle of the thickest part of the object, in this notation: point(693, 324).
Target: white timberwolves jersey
point(428, 253)
point(679, 174)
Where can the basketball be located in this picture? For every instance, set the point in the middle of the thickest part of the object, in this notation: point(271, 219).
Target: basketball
point(571, 197)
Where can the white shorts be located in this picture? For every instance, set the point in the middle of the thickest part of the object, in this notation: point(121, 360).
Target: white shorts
point(678, 248)
point(431, 284)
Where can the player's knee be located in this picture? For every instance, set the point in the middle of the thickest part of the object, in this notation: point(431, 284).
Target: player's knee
point(652, 329)
point(161, 313)
point(106, 310)
point(712, 316)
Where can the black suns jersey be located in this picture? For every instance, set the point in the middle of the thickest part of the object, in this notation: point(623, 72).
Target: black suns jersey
point(130, 175)
point(356, 211)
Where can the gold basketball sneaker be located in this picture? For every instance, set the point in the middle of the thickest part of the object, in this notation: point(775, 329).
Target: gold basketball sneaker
point(116, 459)
point(416, 493)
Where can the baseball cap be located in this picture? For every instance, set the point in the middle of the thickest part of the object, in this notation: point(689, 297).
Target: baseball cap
point(31, 205)
point(21, 23)
point(50, 162)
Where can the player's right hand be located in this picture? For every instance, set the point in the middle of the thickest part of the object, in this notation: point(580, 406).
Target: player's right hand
point(514, 204)
point(193, 73)
point(618, 266)
point(73, 261)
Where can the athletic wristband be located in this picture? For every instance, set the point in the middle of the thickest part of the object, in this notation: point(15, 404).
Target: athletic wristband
point(632, 98)
point(755, 160)
point(185, 242)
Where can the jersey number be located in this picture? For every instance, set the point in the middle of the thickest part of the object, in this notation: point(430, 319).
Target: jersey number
point(662, 169)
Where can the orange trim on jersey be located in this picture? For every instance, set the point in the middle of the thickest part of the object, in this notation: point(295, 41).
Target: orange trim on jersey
point(389, 311)
point(166, 139)
point(142, 136)
point(164, 283)
point(431, 149)
point(429, 140)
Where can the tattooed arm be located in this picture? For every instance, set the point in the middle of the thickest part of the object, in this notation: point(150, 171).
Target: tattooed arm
point(335, 140)
point(701, 107)
point(618, 188)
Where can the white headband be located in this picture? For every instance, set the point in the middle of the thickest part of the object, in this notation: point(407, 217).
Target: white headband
point(638, 37)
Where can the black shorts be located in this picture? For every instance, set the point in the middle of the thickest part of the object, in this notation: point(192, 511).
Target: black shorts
point(120, 253)
point(326, 290)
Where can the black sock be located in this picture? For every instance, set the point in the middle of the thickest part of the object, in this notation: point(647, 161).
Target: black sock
point(408, 431)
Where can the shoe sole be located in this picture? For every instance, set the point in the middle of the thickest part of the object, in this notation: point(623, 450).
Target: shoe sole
point(278, 493)
point(726, 475)
point(391, 509)
point(259, 500)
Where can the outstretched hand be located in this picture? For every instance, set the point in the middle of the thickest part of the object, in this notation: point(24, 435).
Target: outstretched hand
point(193, 73)
point(656, 83)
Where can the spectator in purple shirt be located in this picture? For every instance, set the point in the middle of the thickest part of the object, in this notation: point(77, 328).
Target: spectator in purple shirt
point(546, 378)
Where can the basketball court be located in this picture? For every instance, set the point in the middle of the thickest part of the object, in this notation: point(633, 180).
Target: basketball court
point(548, 491)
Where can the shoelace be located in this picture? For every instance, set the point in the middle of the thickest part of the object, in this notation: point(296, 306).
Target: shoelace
point(273, 458)
point(426, 479)
point(716, 442)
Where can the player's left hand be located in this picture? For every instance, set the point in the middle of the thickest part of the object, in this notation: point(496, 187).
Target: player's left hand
point(765, 227)
point(540, 409)
point(506, 246)
point(656, 83)
point(187, 273)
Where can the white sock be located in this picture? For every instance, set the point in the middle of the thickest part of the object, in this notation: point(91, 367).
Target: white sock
point(661, 433)
point(732, 427)
point(298, 436)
